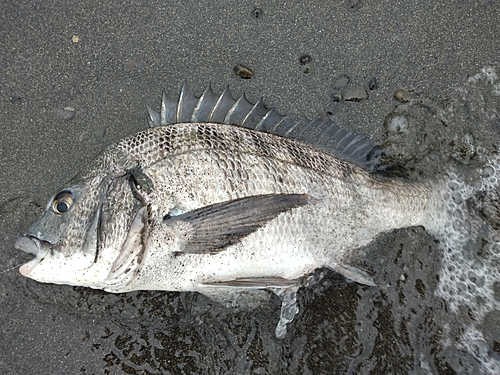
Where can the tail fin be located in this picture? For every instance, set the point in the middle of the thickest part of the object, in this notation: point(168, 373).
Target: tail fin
point(468, 228)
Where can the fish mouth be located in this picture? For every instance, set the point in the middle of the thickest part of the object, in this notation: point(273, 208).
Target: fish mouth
point(29, 244)
point(35, 246)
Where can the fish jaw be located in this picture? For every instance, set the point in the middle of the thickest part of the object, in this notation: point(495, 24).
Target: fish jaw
point(33, 246)
point(48, 267)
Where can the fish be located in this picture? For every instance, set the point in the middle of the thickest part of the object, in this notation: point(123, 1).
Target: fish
point(220, 196)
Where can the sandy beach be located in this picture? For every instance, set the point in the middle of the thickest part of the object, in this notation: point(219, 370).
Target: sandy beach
point(75, 77)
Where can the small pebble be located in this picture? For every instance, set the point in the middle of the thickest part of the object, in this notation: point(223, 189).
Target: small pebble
point(243, 72)
point(398, 124)
point(488, 171)
point(373, 84)
point(355, 94)
point(68, 113)
point(133, 66)
point(306, 64)
point(16, 99)
point(457, 197)
point(336, 96)
point(307, 68)
point(402, 95)
point(82, 136)
point(341, 82)
point(353, 5)
point(257, 12)
point(305, 59)
point(338, 87)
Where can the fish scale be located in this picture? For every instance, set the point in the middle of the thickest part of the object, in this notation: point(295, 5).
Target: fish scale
point(349, 199)
point(150, 146)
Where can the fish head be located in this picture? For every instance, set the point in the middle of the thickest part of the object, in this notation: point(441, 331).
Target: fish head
point(80, 234)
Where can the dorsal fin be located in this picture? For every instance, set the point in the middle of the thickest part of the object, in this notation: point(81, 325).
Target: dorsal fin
point(322, 133)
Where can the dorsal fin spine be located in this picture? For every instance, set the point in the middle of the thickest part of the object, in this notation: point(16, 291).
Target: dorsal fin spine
point(291, 129)
point(153, 117)
point(223, 104)
point(168, 110)
point(255, 115)
point(271, 120)
point(180, 102)
point(232, 110)
point(186, 105)
point(205, 105)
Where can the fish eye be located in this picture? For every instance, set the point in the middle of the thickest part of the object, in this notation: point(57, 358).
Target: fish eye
point(62, 202)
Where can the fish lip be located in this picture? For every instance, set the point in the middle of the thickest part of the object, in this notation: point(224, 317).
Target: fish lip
point(32, 245)
point(35, 246)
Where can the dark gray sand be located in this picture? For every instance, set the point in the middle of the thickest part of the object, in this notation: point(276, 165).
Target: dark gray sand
point(74, 78)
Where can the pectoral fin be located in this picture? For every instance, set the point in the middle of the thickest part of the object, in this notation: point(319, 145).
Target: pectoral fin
point(255, 282)
point(212, 228)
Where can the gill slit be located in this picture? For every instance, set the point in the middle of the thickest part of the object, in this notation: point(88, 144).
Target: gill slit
point(98, 234)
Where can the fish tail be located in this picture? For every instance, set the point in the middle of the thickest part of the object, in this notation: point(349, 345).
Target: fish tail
point(468, 229)
point(466, 221)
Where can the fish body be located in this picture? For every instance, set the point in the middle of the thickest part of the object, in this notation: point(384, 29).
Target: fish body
point(217, 196)
point(194, 165)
